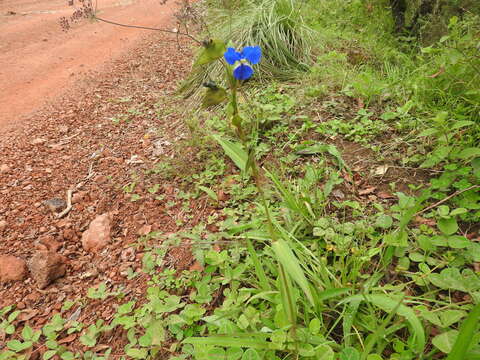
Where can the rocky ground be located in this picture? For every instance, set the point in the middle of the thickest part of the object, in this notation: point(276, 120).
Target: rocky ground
point(66, 221)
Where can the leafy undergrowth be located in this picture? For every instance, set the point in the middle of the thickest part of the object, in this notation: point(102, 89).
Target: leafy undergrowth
point(371, 178)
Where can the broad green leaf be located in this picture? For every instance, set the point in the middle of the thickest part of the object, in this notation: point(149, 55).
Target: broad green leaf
point(251, 354)
point(51, 344)
point(68, 355)
point(126, 308)
point(384, 221)
point(458, 242)
point(452, 279)
point(137, 353)
point(437, 156)
point(49, 354)
point(314, 326)
point(216, 353)
point(234, 151)
point(155, 332)
point(450, 317)
point(324, 352)
point(18, 346)
point(444, 342)
point(476, 167)
point(27, 333)
point(7, 355)
point(13, 316)
point(213, 50)
point(349, 353)
point(448, 226)
point(397, 238)
point(428, 132)
point(234, 353)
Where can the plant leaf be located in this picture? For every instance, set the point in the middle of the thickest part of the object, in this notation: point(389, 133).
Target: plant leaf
point(209, 192)
point(444, 342)
point(214, 97)
point(212, 51)
point(322, 148)
point(228, 341)
point(234, 151)
point(286, 257)
point(448, 226)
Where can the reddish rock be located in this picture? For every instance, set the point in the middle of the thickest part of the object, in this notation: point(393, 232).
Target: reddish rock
point(128, 254)
point(12, 268)
point(144, 230)
point(46, 267)
point(3, 225)
point(79, 197)
point(69, 234)
point(4, 168)
point(50, 243)
point(98, 234)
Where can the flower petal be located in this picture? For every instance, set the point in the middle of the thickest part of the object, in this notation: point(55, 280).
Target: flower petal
point(243, 72)
point(252, 53)
point(231, 56)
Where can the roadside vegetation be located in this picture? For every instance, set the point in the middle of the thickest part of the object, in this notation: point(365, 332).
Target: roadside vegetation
point(347, 199)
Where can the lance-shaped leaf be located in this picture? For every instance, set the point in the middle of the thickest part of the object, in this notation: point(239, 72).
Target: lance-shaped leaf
point(213, 50)
point(214, 96)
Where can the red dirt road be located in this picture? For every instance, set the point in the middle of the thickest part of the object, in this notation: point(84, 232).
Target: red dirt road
point(39, 62)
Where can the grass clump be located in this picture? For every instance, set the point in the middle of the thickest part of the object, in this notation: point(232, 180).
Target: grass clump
point(277, 26)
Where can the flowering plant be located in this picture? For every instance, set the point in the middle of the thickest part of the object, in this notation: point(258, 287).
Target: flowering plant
point(242, 60)
point(238, 66)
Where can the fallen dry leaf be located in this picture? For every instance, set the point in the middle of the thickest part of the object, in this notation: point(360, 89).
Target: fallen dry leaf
point(367, 191)
point(68, 339)
point(385, 195)
point(421, 220)
point(381, 170)
point(27, 314)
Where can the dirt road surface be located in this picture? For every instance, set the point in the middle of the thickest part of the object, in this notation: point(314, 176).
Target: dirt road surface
point(106, 126)
point(39, 62)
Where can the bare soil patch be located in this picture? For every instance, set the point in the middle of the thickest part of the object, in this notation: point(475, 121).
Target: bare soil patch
point(95, 142)
point(39, 62)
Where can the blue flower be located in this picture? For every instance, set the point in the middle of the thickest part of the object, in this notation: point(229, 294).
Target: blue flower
point(249, 55)
point(243, 72)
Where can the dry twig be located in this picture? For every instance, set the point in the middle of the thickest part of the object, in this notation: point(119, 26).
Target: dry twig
point(69, 205)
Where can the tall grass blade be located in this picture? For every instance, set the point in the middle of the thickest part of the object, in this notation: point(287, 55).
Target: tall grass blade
point(289, 261)
point(286, 293)
point(262, 277)
point(229, 341)
point(467, 330)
